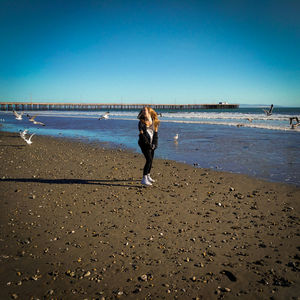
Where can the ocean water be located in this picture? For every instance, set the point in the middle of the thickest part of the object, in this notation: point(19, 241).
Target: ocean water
point(243, 140)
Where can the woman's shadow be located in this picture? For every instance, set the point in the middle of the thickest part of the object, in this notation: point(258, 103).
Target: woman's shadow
point(114, 182)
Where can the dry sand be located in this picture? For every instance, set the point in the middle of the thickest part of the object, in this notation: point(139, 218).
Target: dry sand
point(77, 224)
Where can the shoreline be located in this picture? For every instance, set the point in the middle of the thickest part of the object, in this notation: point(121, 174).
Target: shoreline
point(109, 145)
point(76, 223)
point(226, 147)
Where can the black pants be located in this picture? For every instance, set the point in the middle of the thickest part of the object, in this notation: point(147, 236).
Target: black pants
point(149, 154)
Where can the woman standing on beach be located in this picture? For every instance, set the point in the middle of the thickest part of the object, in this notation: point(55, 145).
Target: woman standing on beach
point(148, 139)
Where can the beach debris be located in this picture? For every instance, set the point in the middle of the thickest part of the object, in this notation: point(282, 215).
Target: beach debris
point(229, 274)
point(53, 274)
point(87, 274)
point(263, 281)
point(35, 277)
point(120, 293)
point(239, 196)
point(223, 290)
point(50, 292)
point(137, 289)
point(143, 277)
point(281, 281)
point(70, 273)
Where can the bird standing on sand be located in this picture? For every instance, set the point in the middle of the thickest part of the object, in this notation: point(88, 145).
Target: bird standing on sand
point(176, 137)
point(105, 116)
point(18, 116)
point(270, 111)
point(32, 119)
point(28, 141)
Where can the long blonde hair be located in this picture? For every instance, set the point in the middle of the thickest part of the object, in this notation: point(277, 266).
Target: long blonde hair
point(153, 116)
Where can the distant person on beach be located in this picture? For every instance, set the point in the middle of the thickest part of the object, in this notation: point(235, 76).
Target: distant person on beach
point(293, 126)
point(148, 139)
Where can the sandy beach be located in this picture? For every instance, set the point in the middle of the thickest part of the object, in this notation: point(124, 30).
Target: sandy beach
point(77, 224)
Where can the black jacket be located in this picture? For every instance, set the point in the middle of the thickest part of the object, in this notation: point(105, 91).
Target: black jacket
point(144, 138)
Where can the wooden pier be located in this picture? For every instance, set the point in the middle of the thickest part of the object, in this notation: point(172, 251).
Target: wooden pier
point(29, 106)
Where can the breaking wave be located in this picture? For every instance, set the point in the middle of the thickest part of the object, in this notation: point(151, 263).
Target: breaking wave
point(277, 121)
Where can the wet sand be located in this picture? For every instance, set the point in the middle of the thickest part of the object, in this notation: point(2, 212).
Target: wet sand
point(77, 224)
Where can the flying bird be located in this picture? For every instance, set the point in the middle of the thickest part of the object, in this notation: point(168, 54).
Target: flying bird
point(18, 116)
point(270, 111)
point(28, 141)
point(23, 133)
point(105, 116)
point(32, 119)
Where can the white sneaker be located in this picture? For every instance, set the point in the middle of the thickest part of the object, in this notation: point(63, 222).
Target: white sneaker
point(150, 179)
point(145, 181)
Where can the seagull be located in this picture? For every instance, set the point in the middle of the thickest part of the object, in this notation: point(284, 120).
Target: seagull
point(28, 141)
point(23, 133)
point(176, 137)
point(269, 112)
point(18, 116)
point(105, 116)
point(32, 119)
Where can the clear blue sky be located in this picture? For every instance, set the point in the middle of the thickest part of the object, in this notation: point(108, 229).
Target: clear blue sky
point(245, 52)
